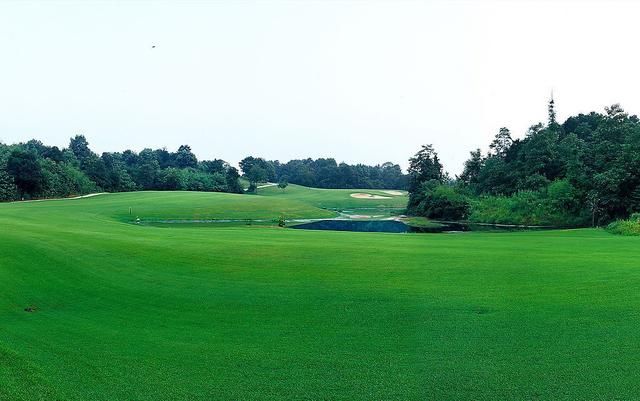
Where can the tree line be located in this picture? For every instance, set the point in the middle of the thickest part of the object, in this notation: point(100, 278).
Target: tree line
point(323, 173)
point(585, 171)
point(34, 170)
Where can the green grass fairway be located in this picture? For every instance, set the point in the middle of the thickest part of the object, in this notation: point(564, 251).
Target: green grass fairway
point(150, 206)
point(137, 312)
point(336, 198)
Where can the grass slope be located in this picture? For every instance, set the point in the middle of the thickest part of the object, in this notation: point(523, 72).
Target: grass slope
point(140, 312)
point(150, 205)
point(335, 198)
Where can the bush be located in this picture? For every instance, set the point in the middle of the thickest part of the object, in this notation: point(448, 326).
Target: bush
point(524, 208)
point(555, 205)
point(626, 227)
point(282, 221)
point(558, 204)
point(438, 201)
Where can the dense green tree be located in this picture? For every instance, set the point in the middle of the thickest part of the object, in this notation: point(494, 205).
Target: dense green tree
point(117, 178)
point(171, 179)
point(326, 173)
point(552, 123)
point(257, 167)
point(147, 170)
point(47, 152)
point(501, 143)
point(26, 172)
point(283, 183)
point(472, 168)
point(424, 166)
point(425, 172)
point(391, 176)
point(185, 158)
point(45, 171)
point(53, 153)
point(255, 175)
point(596, 155)
point(232, 180)
point(439, 201)
point(8, 189)
point(62, 179)
point(495, 177)
point(165, 158)
point(213, 166)
point(80, 148)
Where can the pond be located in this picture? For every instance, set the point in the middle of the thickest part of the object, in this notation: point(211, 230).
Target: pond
point(386, 226)
point(394, 226)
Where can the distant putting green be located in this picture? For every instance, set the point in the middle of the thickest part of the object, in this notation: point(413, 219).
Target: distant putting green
point(93, 307)
point(339, 198)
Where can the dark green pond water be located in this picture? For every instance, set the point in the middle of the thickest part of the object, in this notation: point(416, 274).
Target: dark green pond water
point(385, 226)
point(393, 226)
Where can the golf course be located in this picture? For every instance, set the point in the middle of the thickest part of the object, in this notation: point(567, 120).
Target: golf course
point(99, 303)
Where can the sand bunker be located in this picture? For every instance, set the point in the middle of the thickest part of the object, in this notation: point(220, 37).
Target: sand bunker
point(359, 216)
point(360, 195)
point(364, 216)
point(393, 193)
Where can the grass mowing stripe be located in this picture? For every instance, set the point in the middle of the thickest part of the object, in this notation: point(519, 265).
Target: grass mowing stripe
point(139, 312)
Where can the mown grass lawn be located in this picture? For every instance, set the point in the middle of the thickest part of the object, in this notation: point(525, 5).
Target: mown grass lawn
point(125, 311)
point(337, 198)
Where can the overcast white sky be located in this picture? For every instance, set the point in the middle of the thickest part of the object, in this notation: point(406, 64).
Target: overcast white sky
point(360, 81)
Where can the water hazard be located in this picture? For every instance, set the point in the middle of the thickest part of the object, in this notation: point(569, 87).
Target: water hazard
point(385, 226)
point(395, 226)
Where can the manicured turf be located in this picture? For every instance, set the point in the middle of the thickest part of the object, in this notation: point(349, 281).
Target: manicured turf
point(151, 206)
point(336, 198)
point(126, 311)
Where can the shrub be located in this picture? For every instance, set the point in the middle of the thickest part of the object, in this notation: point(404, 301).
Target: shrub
point(555, 205)
point(282, 221)
point(626, 227)
point(438, 201)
